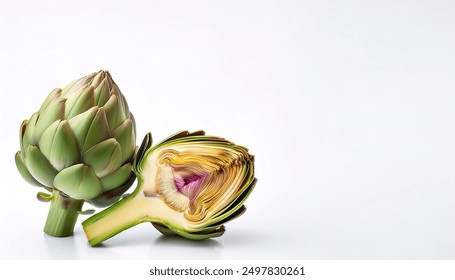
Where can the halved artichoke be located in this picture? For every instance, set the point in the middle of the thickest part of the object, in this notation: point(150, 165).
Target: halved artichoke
point(189, 184)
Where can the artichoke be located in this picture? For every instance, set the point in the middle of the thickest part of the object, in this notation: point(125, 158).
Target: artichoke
point(79, 146)
point(189, 185)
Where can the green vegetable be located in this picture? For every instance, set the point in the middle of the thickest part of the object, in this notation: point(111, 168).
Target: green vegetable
point(79, 146)
point(189, 185)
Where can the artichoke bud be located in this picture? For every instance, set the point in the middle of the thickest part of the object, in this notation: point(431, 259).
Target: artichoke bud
point(189, 185)
point(81, 142)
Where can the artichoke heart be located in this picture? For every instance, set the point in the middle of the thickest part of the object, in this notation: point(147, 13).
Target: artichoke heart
point(189, 185)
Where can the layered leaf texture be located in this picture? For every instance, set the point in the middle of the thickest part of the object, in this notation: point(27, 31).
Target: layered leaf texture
point(81, 141)
point(189, 185)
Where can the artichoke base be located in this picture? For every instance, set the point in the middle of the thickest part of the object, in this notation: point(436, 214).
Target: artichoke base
point(127, 213)
point(62, 215)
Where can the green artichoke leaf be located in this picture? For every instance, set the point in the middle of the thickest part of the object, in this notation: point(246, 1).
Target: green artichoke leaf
point(98, 131)
point(145, 146)
point(77, 86)
point(200, 236)
point(134, 124)
point(231, 216)
point(77, 104)
point(20, 163)
point(39, 166)
point(109, 197)
point(54, 111)
point(117, 178)
point(44, 197)
point(104, 157)
point(115, 90)
point(79, 182)
point(234, 209)
point(56, 93)
point(114, 114)
point(90, 127)
point(86, 212)
point(80, 125)
point(29, 133)
point(21, 135)
point(102, 93)
point(163, 229)
point(59, 144)
point(126, 138)
point(205, 233)
point(98, 78)
point(180, 135)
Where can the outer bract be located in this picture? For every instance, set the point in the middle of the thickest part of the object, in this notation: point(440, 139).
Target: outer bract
point(79, 146)
point(189, 185)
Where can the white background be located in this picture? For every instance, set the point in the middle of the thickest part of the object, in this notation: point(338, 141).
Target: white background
point(349, 107)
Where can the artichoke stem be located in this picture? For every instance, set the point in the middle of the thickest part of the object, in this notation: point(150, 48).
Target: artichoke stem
point(113, 220)
point(128, 212)
point(62, 215)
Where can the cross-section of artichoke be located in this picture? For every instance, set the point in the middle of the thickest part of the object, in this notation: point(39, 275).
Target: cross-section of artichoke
point(189, 185)
point(79, 146)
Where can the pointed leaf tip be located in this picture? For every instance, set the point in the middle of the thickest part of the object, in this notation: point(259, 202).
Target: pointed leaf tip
point(79, 182)
point(59, 144)
point(104, 157)
point(145, 145)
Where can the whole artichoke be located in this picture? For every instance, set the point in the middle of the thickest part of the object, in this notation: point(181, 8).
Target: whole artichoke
point(189, 185)
point(80, 146)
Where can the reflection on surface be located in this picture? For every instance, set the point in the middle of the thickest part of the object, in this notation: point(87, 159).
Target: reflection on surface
point(61, 248)
point(143, 242)
point(181, 248)
point(179, 241)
